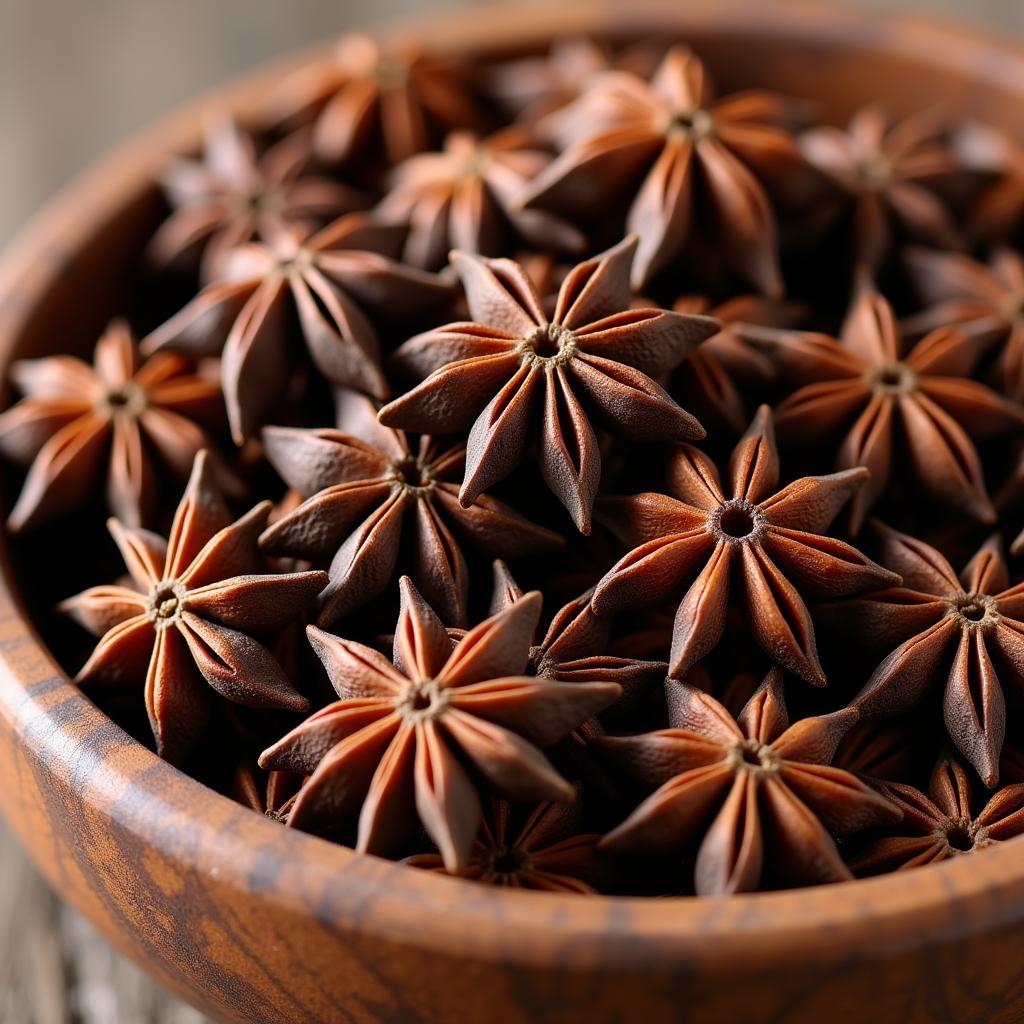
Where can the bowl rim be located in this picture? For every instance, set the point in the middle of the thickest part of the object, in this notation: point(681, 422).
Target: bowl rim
point(418, 908)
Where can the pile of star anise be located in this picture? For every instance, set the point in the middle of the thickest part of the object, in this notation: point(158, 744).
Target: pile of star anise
point(633, 474)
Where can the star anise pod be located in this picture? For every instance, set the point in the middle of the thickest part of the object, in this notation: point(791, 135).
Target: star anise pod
point(374, 95)
point(368, 492)
point(769, 544)
point(732, 690)
point(715, 374)
point(575, 646)
point(680, 151)
point(328, 280)
point(875, 751)
point(534, 86)
point(418, 739)
point(466, 197)
point(868, 388)
point(942, 824)
point(233, 194)
point(984, 301)
point(547, 854)
point(188, 623)
point(513, 365)
point(267, 793)
point(883, 171)
point(775, 804)
point(130, 418)
point(999, 211)
point(966, 633)
point(546, 271)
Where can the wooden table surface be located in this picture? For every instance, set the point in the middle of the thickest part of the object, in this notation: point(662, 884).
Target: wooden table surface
point(76, 76)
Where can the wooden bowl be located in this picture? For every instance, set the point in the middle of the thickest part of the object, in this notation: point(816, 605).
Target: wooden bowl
point(254, 922)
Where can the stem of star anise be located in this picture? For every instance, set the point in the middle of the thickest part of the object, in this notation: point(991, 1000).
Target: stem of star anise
point(691, 124)
point(753, 757)
point(975, 611)
point(506, 860)
point(550, 345)
point(166, 600)
point(873, 172)
point(129, 401)
point(894, 378)
point(423, 701)
point(263, 200)
point(476, 163)
point(736, 521)
point(962, 836)
point(412, 475)
point(291, 260)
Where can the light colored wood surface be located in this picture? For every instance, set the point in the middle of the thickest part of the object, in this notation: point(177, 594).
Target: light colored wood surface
point(76, 76)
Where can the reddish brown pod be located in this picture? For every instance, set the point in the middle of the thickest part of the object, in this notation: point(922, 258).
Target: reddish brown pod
point(257, 922)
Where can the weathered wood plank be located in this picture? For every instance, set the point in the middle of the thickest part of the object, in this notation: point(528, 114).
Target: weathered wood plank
point(55, 969)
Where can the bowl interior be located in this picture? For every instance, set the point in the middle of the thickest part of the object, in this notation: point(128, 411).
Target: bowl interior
point(79, 264)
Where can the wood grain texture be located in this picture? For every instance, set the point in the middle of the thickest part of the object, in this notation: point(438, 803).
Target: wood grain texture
point(55, 968)
point(253, 922)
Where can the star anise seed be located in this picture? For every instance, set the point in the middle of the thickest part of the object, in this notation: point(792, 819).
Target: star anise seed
point(866, 388)
point(373, 95)
point(884, 172)
point(986, 302)
point(232, 195)
point(466, 197)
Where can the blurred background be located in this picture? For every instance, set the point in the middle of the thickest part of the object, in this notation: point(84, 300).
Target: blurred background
point(76, 76)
